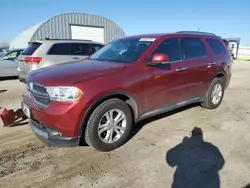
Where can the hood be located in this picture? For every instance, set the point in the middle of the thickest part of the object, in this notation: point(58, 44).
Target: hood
point(70, 73)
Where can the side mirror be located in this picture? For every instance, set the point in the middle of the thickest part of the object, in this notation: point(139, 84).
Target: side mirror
point(5, 58)
point(158, 59)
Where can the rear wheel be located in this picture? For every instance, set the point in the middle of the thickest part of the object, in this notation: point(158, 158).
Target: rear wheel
point(109, 126)
point(215, 94)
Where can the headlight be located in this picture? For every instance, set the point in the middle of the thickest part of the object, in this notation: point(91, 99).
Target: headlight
point(64, 93)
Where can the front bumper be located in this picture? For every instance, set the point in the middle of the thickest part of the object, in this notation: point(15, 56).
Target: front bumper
point(56, 125)
point(52, 136)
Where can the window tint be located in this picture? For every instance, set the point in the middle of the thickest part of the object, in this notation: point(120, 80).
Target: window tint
point(31, 48)
point(95, 47)
point(12, 55)
point(60, 49)
point(192, 48)
point(216, 46)
point(80, 49)
point(171, 48)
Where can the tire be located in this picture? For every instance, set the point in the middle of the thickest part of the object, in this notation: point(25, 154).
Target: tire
point(208, 101)
point(96, 140)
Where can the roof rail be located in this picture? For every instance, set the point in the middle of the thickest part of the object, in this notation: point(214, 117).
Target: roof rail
point(196, 32)
point(70, 39)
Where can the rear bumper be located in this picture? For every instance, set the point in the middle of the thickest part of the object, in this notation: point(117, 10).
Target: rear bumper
point(23, 72)
point(22, 77)
point(52, 136)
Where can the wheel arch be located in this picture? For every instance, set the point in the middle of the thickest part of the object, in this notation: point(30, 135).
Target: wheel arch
point(221, 75)
point(127, 98)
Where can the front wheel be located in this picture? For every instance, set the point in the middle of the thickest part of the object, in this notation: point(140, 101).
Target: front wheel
point(109, 126)
point(215, 94)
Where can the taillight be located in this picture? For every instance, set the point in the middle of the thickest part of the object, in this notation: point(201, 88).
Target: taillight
point(34, 60)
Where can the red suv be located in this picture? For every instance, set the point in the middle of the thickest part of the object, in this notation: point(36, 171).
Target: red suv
point(100, 98)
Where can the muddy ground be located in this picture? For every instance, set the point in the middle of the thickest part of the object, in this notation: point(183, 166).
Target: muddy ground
point(222, 156)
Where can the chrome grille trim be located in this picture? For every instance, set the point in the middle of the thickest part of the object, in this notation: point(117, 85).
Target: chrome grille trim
point(39, 94)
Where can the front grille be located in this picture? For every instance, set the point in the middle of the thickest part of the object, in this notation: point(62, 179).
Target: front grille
point(39, 89)
point(39, 94)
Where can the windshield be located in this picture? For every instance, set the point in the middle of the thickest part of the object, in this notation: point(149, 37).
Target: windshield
point(123, 50)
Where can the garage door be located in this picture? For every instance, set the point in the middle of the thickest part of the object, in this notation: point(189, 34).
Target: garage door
point(90, 33)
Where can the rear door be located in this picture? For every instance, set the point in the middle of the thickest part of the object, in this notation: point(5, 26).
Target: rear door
point(58, 53)
point(80, 50)
point(83, 50)
point(196, 58)
point(95, 47)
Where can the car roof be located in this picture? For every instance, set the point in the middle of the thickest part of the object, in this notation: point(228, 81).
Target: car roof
point(15, 49)
point(65, 41)
point(159, 35)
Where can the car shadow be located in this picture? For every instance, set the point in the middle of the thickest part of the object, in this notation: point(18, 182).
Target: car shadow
point(197, 162)
point(8, 78)
point(138, 126)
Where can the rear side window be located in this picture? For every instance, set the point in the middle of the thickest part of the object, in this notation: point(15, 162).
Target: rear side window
point(171, 48)
point(59, 49)
point(192, 48)
point(216, 46)
point(95, 47)
point(31, 48)
point(84, 49)
point(80, 49)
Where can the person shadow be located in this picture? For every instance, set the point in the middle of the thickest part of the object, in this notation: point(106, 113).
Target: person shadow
point(247, 186)
point(197, 162)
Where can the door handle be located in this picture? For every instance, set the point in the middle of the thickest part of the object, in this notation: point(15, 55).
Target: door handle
point(75, 58)
point(181, 69)
point(212, 64)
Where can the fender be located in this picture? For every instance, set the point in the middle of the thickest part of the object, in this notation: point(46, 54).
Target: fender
point(103, 98)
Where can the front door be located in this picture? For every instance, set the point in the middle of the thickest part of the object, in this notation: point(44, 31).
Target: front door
point(9, 64)
point(165, 83)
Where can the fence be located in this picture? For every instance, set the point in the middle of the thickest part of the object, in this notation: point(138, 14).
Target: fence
point(243, 52)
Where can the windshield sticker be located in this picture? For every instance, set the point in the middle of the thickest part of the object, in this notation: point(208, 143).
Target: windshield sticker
point(147, 39)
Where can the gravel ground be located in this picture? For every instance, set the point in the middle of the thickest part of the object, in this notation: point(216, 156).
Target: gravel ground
point(160, 152)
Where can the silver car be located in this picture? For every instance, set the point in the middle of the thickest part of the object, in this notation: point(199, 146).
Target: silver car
point(49, 52)
point(8, 63)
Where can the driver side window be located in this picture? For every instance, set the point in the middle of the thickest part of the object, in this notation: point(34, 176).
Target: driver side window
point(170, 47)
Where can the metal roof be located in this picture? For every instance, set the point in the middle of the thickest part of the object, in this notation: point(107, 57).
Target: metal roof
point(59, 27)
point(23, 38)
